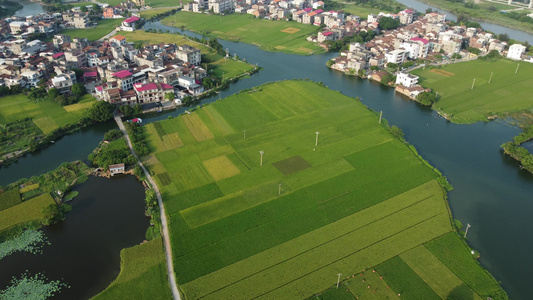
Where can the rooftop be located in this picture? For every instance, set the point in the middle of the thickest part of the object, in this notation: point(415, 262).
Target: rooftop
point(122, 74)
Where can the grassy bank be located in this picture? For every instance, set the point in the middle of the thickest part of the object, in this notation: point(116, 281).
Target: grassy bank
point(484, 11)
point(243, 230)
point(220, 66)
point(142, 274)
point(104, 27)
point(507, 92)
point(275, 36)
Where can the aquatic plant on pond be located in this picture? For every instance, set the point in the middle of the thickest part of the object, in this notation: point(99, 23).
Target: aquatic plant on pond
point(30, 240)
point(31, 287)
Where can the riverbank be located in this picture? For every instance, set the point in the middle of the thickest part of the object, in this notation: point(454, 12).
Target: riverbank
point(486, 12)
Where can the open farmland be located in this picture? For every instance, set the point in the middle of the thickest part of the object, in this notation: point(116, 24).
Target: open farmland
point(506, 92)
point(47, 115)
point(286, 228)
point(266, 34)
point(24, 212)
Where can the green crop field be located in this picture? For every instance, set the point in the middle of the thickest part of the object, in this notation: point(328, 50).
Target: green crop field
point(47, 115)
point(219, 65)
point(24, 212)
point(9, 199)
point(104, 27)
point(284, 229)
point(507, 91)
point(143, 274)
point(288, 37)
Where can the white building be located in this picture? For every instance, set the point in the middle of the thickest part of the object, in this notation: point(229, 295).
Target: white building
point(406, 79)
point(397, 56)
point(516, 51)
point(412, 47)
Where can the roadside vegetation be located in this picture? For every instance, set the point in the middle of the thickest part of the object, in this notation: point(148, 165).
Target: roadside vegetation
point(245, 227)
point(458, 102)
point(274, 36)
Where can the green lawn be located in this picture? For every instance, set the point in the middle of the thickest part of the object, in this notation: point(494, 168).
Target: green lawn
point(240, 230)
point(9, 199)
point(507, 91)
point(104, 27)
point(47, 115)
point(143, 274)
point(221, 66)
point(24, 212)
point(266, 34)
point(374, 7)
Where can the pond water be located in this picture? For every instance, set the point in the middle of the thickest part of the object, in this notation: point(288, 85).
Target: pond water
point(29, 8)
point(84, 250)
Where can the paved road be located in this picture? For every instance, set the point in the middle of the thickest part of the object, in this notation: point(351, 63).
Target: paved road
point(164, 224)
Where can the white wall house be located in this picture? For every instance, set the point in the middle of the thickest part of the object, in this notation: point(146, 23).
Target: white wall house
point(396, 56)
point(516, 51)
point(406, 79)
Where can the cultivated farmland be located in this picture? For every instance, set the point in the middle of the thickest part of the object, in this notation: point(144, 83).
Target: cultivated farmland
point(506, 92)
point(284, 227)
point(288, 37)
point(47, 115)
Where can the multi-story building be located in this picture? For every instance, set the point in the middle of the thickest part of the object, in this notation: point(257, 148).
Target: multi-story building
point(189, 54)
point(516, 51)
point(124, 79)
point(152, 92)
point(63, 82)
point(80, 20)
point(60, 39)
point(406, 79)
point(76, 59)
point(32, 77)
point(396, 56)
point(221, 6)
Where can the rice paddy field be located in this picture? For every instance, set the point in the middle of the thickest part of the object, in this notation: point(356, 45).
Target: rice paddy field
point(506, 91)
point(47, 115)
point(24, 212)
point(284, 225)
point(288, 37)
point(143, 274)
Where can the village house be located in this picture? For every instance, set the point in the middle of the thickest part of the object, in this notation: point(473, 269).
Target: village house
point(117, 169)
point(516, 51)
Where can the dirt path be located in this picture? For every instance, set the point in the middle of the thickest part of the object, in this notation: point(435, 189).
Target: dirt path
point(164, 224)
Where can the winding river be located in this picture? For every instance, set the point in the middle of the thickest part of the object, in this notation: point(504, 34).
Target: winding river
point(491, 193)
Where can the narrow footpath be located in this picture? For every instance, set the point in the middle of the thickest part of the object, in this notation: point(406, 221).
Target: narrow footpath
point(164, 224)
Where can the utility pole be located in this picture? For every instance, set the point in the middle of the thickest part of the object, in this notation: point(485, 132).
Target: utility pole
point(261, 152)
point(473, 83)
point(517, 69)
point(316, 141)
point(490, 79)
point(244, 134)
point(380, 115)
point(279, 189)
point(338, 279)
point(466, 231)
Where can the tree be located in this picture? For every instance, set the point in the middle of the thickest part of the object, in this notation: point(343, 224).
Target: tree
point(426, 98)
point(53, 93)
point(84, 9)
point(113, 134)
point(78, 89)
point(101, 111)
point(361, 73)
point(504, 37)
point(186, 99)
point(386, 79)
point(396, 131)
point(54, 213)
point(456, 56)
point(387, 23)
point(170, 96)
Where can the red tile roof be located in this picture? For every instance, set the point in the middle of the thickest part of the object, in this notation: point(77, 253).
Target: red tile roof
point(58, 55)
point(90, 74)
point(132, 19)
point(417, 39)
point(122, 74)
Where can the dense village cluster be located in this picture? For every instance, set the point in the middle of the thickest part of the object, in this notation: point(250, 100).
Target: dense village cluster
point(111, 69)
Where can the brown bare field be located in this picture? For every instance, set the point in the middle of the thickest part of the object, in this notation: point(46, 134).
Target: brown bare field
point(290, 30)
point(442, 72)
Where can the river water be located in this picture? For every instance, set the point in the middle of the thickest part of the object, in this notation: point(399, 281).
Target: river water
point(491, 193)
point(84, 250)
point(29, 8)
